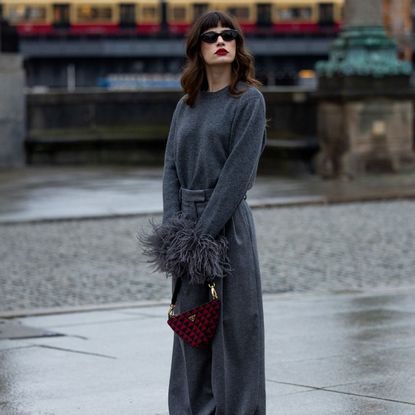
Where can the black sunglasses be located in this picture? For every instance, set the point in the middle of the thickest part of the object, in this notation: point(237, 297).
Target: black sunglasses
point(212, 37)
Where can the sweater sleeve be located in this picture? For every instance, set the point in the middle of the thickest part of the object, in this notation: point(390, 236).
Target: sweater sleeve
point(248, 136)
point(171, 184)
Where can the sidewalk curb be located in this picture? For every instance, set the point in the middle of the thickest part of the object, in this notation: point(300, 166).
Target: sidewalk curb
point(335, 199)
point(277, 202)
point(352, 292)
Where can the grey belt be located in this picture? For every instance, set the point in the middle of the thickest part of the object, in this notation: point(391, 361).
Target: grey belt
point(197, 195)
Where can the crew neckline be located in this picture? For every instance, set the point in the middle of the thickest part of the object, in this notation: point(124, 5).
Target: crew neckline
point(214, 93)
point(221, 92)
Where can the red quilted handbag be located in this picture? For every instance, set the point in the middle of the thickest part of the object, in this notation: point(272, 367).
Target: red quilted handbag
point(197, 326)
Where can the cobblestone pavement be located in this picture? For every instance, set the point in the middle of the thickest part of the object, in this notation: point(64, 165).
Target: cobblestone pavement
point(310, 248)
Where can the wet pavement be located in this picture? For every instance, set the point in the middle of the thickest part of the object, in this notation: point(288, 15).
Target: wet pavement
point(37, 193)
point(342, 342)
point(325, 354)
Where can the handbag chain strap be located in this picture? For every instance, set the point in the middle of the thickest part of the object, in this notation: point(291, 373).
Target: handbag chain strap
point(176, 292)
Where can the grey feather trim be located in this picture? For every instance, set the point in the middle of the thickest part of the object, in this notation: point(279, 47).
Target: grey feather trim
point(176, 248)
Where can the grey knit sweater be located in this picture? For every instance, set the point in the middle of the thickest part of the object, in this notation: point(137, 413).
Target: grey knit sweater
point(216, 144)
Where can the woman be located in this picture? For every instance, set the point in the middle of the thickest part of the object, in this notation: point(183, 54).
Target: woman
point(216, 137)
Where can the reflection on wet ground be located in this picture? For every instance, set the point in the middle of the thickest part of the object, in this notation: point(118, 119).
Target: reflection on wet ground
point(72, 192)
point(325, 354)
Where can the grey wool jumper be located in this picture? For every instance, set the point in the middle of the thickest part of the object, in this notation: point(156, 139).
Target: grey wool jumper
point(208, 233)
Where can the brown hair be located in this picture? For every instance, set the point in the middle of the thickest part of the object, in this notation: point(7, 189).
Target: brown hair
point(193, 76)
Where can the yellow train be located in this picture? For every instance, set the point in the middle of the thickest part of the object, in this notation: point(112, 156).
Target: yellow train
point(152, 17)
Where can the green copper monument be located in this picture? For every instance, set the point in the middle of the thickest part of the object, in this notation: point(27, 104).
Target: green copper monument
point(363, 47)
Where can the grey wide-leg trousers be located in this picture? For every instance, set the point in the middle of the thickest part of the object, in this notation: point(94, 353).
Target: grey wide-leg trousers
point(228, 378)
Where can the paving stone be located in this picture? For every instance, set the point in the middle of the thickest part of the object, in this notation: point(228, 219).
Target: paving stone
point(301, 249)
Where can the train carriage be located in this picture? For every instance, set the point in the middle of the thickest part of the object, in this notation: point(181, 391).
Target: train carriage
point(174, 17)
point(258, 17)
point(80, 17)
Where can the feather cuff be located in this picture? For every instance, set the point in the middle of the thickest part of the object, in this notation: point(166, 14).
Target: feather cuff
point(178, 249)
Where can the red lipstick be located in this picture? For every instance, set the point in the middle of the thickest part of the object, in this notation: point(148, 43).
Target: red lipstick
point(221, 52)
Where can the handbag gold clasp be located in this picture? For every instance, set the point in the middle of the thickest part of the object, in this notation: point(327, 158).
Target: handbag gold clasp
point(171, 310)
point(213, 291)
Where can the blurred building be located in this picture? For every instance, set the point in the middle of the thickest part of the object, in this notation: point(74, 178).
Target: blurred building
point(91, 43)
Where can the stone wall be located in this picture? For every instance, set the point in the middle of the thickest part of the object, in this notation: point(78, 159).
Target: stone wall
point(132, 126)
point(12, 111)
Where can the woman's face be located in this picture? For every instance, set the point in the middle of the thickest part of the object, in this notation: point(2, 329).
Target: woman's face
point(210, 51)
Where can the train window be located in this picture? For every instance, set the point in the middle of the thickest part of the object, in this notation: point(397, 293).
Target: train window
point(178, 13)
point(88, 13)
point(149, 13)
point(22, 13)
point(241, 13)
point(199, 9)
point(61, 14)
point(295, 13)
point(127, 14)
